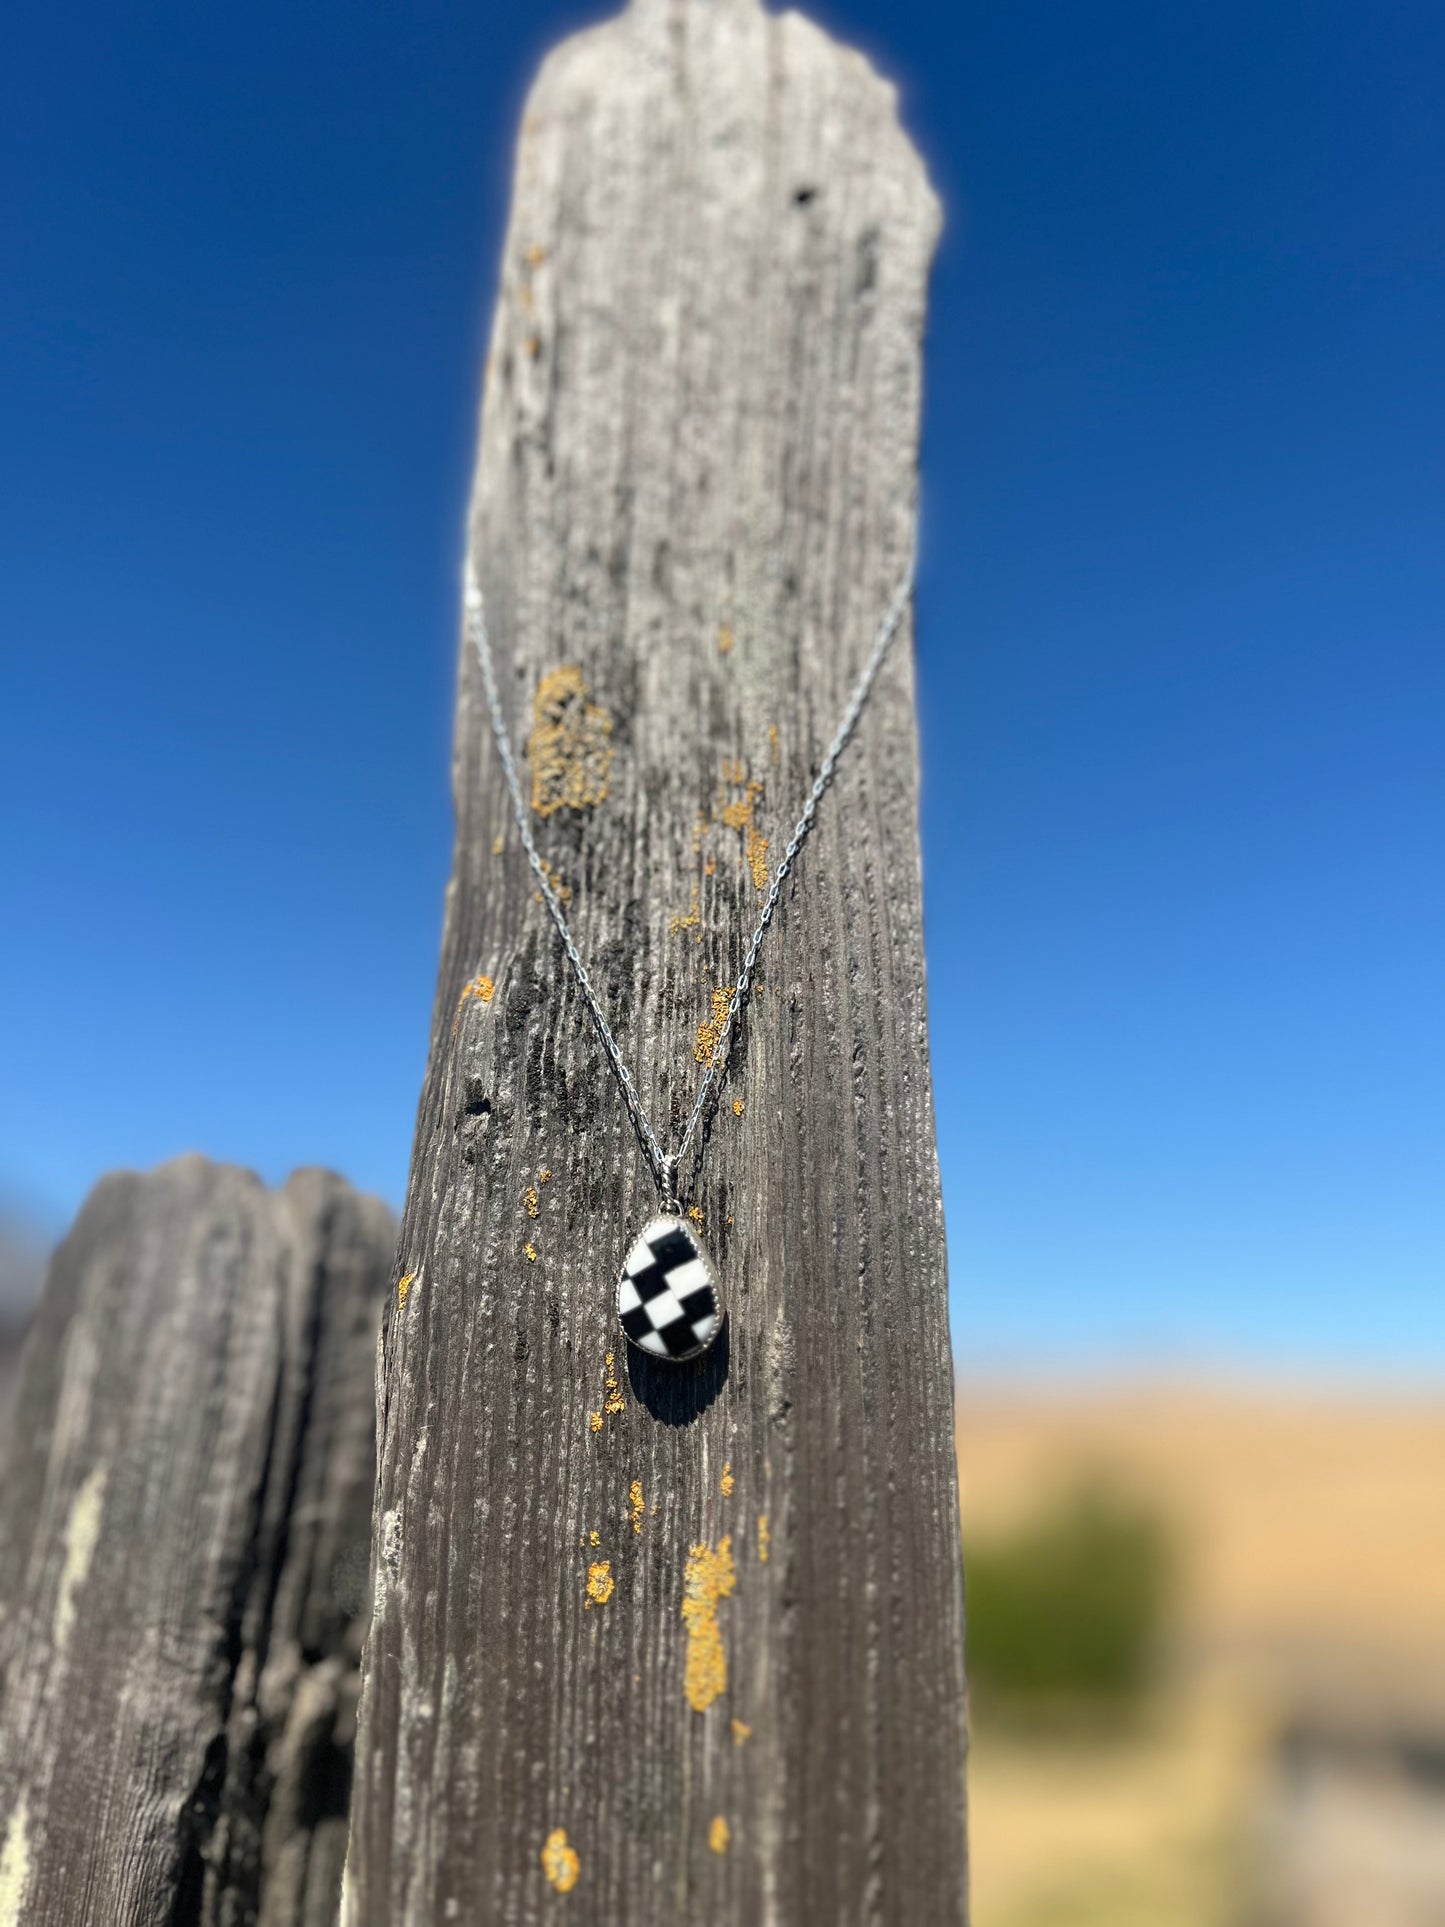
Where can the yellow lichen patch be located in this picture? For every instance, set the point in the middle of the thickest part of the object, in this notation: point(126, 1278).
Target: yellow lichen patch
point(560, 1862)
point(600, 1585)
point(737, 1112)
point(738, 814)
point(403, 1286)
point(688, 919)
point(636, 1504)
point(570, 748)
point(560, 890)
point(614, 1401)
point(482, 988)
point(757, 853)
point(544, 1176)
point(709, 869)
point(535, 255)
point(710, 1030)
point(727, 1481)
point(533, 346)
point(773, 741)
point(530, 1201)
point(741, 1733)
point(741, 815)
point(709, 1579)
point(530, 1251)
point(719, 1834)
point(764, 1539)
point(498, 845)
point(694, 1211)
point(594, 1538)
point(725, 640)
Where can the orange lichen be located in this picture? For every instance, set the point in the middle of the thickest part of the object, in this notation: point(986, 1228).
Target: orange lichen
point(764, 1539)
point(560, 1862)
point(737, 1112)
point(614, 1402)
point(694, 1211)
point(726, 1481)
point(725, 640)
point(710, 1030)
point(636, 1503)
point(709, 1579)
point(757, 854)
point(560, 890)
point(570, 747)
point(738, 815)
point(741, 815)
point(612, 1399)
point(535, 255)
point(403, 1286)
point(530, 1201)
point(600, 1584)
point(741, 1733)
point(482, 988)
point(719, 1834)
point(773, 741)
point(690, 918)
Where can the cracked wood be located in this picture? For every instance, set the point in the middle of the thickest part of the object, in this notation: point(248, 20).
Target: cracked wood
point(184, 1514)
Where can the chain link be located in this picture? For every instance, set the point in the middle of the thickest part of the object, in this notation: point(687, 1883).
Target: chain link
point(665, 1163)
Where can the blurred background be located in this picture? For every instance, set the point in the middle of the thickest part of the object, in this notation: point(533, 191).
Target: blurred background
point(1181, 687)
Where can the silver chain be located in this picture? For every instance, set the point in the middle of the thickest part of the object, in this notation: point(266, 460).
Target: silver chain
point(665, 1163)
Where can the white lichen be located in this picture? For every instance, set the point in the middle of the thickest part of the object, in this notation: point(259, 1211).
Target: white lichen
point(15, 1863)
point(82, 1533)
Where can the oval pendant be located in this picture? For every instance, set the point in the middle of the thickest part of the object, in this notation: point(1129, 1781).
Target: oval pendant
point(667, 1297)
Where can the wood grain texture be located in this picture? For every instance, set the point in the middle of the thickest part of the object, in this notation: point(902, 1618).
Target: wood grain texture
point(184, 1523)
point(696, 490)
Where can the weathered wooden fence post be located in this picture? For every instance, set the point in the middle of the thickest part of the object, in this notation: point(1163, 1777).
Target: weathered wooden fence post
point(684, 1641)
point(185, 1490)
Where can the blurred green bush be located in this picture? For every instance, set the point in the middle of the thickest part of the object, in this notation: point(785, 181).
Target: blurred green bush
point(1067, 1612)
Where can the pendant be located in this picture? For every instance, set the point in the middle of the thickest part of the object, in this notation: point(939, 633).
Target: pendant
point(667, 1296)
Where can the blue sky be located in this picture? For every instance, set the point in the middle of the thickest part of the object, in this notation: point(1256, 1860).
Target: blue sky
point(1179, 627)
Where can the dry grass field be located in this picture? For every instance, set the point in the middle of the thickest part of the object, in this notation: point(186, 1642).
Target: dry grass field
point(1310, 1533)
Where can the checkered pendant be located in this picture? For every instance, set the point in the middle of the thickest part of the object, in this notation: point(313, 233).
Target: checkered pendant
point(667, 1296)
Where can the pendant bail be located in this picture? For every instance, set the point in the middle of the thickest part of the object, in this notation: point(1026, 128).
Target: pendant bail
point(670, 1200)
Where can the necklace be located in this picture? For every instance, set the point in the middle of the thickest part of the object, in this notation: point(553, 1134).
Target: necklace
point(668, 1299)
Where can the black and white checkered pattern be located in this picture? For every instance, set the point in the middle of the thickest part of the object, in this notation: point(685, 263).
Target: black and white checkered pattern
point(667, 1297)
